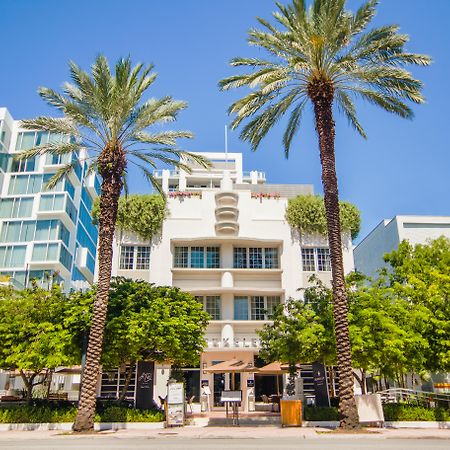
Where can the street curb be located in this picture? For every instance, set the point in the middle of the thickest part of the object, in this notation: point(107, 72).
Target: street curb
point(67, 426)
point(114, 426)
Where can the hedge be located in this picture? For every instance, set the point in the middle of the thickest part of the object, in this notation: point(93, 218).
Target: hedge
point(45, 414)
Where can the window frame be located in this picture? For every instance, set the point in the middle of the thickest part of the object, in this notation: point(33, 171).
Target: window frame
point(246, 259)
point(183, 257)
point(134, 257)
point(258, 312)
point(324, 265)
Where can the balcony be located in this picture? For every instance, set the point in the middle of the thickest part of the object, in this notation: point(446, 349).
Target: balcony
point(51, 256)
point(58, 206)
point(85, 263)
point(92, 184)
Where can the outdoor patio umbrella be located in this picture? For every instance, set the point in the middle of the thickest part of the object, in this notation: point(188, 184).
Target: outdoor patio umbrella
point(275, 368)
point(232, 366)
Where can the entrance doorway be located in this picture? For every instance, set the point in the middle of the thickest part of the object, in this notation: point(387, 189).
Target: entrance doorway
point(223, 381)
point(267, 385)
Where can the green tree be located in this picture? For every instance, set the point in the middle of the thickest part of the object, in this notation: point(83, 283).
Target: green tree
point(35, 335)
point(386, 332)
point(147, 322)
point(103, 112)
point(325, 55)
point(296, 335)
point(421, 275)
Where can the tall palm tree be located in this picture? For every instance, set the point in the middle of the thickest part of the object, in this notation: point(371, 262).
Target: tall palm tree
point(324, 55)
point(103, 112)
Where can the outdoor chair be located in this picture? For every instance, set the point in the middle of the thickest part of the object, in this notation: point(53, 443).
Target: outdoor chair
point(189, 402)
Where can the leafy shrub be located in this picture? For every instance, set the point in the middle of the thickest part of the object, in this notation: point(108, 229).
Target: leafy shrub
point(48, 414)
point(139, 213)
point(393, 412)
point(411, 413)
point(39, 414)
point(120, 414)
point(307, 214)
point(321, 413)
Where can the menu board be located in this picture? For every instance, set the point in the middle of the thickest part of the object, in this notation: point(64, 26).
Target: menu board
point(175, 404)
point(175, 393)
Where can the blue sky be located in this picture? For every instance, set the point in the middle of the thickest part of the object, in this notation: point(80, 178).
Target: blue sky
point(403, 168)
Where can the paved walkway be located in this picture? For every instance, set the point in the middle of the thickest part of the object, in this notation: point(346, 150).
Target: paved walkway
point(264, 432)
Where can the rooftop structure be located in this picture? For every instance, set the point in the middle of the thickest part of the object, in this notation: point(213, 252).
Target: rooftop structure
point(45, 234)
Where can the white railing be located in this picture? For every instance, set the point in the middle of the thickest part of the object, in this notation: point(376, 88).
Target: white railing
point(396, 395)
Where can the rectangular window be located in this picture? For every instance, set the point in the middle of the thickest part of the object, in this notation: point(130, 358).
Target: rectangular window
point(323, 260)
point(240, 258)
point(212, 257)
point(271, 304)
point(18, 231)
point(197, 257)
point(271, 258)
point(316, 259)
point(257, 308)
point(45, 252)
point(142, 257)
point(17, 207)
point(65, 258)
point(25, 140)
point(26, 165)
point(255, 258)
point(308, 260)
point(261, 308)
point(240, 308)
point(12, 256)
point(181, 257)
point(126, 257)
point(212, 306)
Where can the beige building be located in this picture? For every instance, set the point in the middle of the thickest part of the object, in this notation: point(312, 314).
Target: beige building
point(226, 240)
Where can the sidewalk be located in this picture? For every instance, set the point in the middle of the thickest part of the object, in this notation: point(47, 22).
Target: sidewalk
point(236, 433)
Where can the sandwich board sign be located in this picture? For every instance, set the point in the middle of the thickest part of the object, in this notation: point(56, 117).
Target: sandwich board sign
point(175, 404)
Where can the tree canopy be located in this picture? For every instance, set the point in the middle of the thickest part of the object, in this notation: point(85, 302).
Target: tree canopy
point(38, 332)
point(399, 324)
point(152, 322)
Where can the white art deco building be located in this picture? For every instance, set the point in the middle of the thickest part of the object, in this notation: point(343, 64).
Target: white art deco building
point(226, 240)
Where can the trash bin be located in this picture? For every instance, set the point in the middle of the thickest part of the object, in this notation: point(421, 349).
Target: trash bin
point(291, 413)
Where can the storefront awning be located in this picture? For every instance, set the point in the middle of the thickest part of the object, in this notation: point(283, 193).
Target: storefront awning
point(233, 365)
point(275, 368)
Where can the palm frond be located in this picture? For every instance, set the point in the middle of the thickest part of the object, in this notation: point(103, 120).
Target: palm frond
point(347, 107)
point(326, 43)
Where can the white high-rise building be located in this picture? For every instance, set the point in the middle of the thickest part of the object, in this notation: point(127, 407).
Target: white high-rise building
point(226, 241)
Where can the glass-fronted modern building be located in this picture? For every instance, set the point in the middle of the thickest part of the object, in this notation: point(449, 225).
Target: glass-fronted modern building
point(46, 234)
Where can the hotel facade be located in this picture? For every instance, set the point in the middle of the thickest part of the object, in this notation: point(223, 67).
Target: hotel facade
point(46, 235)
point(227, 242)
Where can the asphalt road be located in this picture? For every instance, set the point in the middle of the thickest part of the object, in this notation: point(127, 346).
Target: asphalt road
point(172, 442)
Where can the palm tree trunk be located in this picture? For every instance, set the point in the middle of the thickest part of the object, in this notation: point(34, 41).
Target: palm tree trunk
point(111, 166)
point(321, 93)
